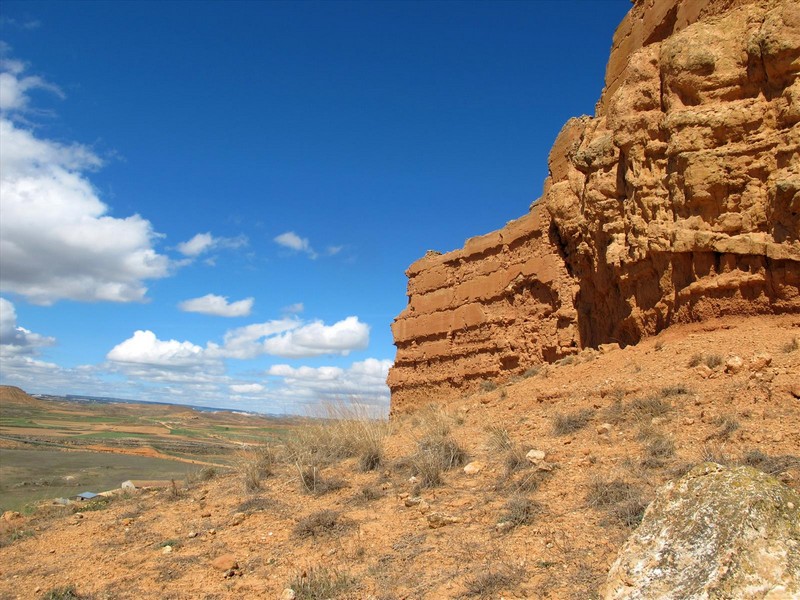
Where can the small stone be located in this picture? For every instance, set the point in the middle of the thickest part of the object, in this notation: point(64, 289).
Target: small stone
point(778, 437)
point(688, 421)
point(11, 515)
point(192, 535)
point(205, 514)
point(127, 522)
point(212, 532)
point(473, 468)
point(704, 371)
point(238, 518)
point(733, 364)
point(760, 361)
point(166, 549)
point(535, 456)
point(412, 501)
point(605, 429)
point(413, 479)
point(225, 562)
point(437, 520)
point(606, 348)
point(288, 594)
point(795, 390)
point(544, 466)
point(504, 526)
point(423, 507)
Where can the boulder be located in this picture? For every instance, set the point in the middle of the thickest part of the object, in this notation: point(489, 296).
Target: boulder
point(716, 533)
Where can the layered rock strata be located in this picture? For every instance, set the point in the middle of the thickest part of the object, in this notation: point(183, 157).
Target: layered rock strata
point(678, 201)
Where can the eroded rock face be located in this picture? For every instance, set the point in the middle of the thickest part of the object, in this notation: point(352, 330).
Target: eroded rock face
point(715, 533)
point(678, 201)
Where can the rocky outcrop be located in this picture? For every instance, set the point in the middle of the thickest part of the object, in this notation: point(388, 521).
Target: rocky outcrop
point(678, 201)
point(715, 533)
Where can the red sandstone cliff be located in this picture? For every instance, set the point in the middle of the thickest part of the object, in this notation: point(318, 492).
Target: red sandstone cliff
point(678, 201)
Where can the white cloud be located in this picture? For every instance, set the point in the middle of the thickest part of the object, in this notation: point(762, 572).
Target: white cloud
point(317, 338)
point(292, 241)
point(363, 381)
point(248, 341)
point(247, 388)
point(145, 348)
point(16, 341)
point(294, 309)
point(218, 306)
point(57, 240)
point(205, 242)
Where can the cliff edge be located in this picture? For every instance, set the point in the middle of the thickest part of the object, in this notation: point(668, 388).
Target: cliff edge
point(678, 201)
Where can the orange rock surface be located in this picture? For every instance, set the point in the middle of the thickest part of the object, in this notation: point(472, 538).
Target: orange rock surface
point(678, 201)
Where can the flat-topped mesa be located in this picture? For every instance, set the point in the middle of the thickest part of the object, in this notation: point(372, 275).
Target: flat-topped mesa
point(679, 201)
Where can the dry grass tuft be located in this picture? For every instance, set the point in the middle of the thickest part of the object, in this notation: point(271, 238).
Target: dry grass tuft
point(489, 583)
point(437, 450)
point(321, 583)
point(621, 500)
point(320, 523)
point(566, 423)
point(314, 482)
point(344, 431)
point(520, 510)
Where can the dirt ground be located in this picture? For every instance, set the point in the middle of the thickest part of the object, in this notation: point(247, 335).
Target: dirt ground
point(626, 419)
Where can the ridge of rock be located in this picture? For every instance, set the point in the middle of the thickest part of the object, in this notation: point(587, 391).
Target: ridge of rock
point(678, 201)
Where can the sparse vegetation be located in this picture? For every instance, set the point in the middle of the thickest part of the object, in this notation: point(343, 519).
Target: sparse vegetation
point(712, 361)
point(674, 390)
point(320, 583)
point(66, 592)
point(345, 431)
point(566, 423)
point(488, 385)
point(657, 450)
point(314, 482)
point(726, 425)
point(520, 510)
point(621, 500)
point(437, 450)
point(320, 523)
point(792, 346)
point(492, 581)
point(532, 371)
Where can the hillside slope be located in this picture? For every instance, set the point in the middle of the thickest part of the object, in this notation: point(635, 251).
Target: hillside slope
point(613, 425)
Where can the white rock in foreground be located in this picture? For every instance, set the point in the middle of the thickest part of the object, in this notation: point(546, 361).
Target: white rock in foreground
point(716, 533)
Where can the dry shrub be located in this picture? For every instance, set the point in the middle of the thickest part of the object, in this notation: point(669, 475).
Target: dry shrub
point(520, 510)
point(674, 390)
point(499, 440)
point(314, 482)
point(489, 583)
point(255, 463)
point(726, 425)
point(566, 423)
point(771, 465)
point(344, 431)
point(792, 346)
point(437, 450)
point(62, 593)
point(659, 448)
point(320, 523)
point(621, 500)
point(321, 583)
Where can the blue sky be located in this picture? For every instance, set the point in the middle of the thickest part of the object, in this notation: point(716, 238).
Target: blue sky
point(215, 203)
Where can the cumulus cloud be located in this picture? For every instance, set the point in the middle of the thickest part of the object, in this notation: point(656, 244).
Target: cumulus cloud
point(292, 241)
point(218, 306)
point(247, 388)
point(364, 381)
point(248, 341)
point(16, 341)
point(145, 348)
point(57, 240)
point(317, 338)
point(205, 242)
